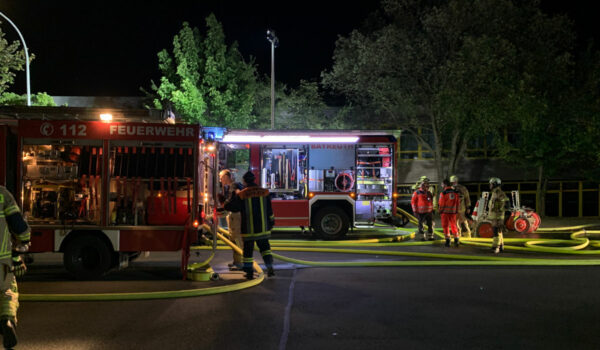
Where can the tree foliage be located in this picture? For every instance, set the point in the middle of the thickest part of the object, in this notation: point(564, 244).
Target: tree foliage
point(39, 99)
point(204, 80)
point(12, 60)
point(302, 107)
point(457, 69)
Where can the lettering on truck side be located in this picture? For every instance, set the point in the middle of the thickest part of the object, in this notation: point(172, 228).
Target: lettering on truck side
point(141, 130)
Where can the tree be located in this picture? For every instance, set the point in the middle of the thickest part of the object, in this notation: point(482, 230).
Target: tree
point(456, 69)
point(558, 132)
point(295, 108)
point(11, 60)
point(204, 80)
point(39, 99)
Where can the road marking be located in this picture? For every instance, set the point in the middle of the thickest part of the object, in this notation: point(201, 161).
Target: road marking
point(286, 318)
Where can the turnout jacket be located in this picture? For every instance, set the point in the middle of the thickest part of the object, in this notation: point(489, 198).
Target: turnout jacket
point(496, 204)
point(254, 204)
point(422, 202)
point(465, 199)
point(12, 224)
point(449, 201)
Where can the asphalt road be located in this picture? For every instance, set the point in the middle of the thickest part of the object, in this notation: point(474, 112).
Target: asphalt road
point(321, 308)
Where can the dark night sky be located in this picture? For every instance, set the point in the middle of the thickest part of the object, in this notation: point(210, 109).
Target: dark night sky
point(108, 48)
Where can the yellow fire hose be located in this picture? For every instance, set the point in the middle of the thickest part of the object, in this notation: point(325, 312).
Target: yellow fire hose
point(155, 295)
point(579, 240)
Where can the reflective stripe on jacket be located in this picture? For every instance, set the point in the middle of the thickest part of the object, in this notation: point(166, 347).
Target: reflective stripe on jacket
point(257, 214)
point(11, 223)
point(422, 202)
point(449, 201)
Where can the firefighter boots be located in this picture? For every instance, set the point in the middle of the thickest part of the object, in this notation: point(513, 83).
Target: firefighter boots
point(456, 242)
point(235, 266)
point(9, 332)
point(447, 242)
point(249, 273)
point(270, 272)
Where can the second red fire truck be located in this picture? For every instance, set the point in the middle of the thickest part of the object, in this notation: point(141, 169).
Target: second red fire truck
point(326, 181)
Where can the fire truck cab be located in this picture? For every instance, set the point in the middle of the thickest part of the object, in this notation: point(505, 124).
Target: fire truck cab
point(326, 181)
point(103, 192)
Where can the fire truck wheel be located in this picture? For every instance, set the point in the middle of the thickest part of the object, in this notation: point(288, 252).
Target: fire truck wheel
point(331, 223)
point(87, 257)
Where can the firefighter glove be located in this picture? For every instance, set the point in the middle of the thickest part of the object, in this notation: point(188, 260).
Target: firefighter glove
point(19, 267)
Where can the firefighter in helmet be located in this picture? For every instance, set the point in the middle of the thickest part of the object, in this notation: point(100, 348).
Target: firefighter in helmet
point(14, 239)
point(464, 207)
point(422, 206)
point(496, 206)
point(449, 204)
point(254, 203)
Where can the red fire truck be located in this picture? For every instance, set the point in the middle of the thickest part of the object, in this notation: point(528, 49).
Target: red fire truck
point(326, 181)
point(102, 192)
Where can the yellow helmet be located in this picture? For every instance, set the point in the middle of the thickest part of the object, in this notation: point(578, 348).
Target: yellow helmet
point(453, 178)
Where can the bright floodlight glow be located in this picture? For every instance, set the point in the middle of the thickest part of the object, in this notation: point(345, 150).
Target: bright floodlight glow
point(288, 139)
point(106, 117)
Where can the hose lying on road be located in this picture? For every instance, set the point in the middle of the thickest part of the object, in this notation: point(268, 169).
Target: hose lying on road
point(576, 245)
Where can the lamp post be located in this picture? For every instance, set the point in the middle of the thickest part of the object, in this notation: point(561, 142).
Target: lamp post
point(274, 43)
point(26, 59)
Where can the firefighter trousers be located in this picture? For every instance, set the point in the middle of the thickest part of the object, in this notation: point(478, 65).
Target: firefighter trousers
point(10, 293)
point(427, 219)
point(234, 225)
point(498, 227)
point(461, 219)
point(265, 251)
point(449, 225)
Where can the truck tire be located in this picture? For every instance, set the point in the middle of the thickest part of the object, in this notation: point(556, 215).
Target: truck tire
point(331, 223)
point(87, 257)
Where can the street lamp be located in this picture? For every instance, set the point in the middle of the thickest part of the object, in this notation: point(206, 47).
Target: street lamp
point(26, 59)
point(274, 43)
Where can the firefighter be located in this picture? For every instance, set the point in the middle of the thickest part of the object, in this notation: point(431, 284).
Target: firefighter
point(464, 208)
point(234, 218)
point(254, 203)
point(422, 206)
point(496, 206)
point(14, 239)
point(448, 205)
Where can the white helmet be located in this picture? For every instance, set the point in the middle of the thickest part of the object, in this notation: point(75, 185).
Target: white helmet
point(494, 181)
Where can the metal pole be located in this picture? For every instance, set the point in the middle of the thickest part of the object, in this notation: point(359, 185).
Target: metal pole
point(272, 85)
point(26, 58)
